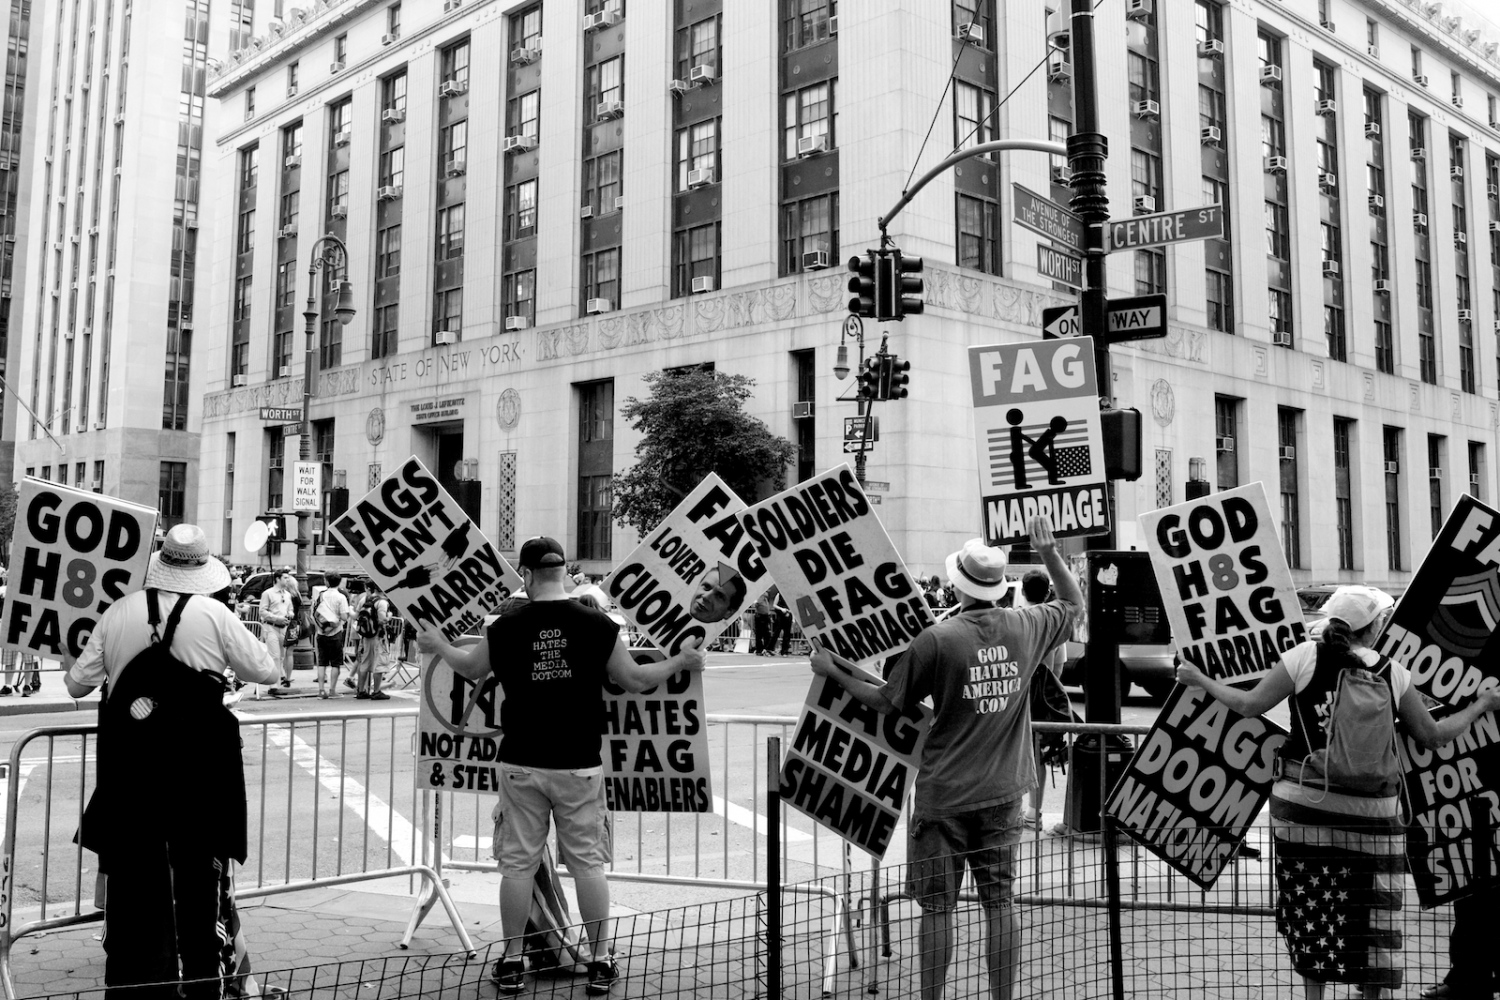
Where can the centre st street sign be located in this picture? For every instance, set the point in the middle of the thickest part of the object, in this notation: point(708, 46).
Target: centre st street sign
point(1046, 217)
point(1141, 317)
point(1166, 227)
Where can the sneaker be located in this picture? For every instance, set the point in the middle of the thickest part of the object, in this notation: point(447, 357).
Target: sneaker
point(323, 695)
point(5, 691)
point(349, 683)
point(509, 976)
point(361, 697)
point(286, 682)
point(602, 975)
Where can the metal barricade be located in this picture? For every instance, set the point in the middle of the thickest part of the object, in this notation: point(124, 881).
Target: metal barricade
point(347, 767)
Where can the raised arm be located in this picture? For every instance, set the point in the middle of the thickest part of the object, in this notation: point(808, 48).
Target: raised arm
point(1270, 690)
point(1044, 543)
point(1433, 733)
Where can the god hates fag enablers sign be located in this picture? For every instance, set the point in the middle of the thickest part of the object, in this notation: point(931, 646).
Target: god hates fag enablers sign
point(850, 767)
point(1041, 448)
point(836, 567)
point(1443, 631)
point(422, 550)
point(73, 555)
point(1203, 771)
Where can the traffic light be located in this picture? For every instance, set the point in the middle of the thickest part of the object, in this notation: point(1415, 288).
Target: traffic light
point(910, 286)
point(893, 377)
point(869, 379)
point(863, 281)
point(1122, 443)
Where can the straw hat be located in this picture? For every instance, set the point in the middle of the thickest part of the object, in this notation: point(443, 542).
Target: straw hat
point(978, 570)
point(184, 565)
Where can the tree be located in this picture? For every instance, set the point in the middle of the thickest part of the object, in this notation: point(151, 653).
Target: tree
point(693, 423)
point(9, 500)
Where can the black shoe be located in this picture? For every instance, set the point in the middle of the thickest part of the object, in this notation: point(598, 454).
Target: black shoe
point(380, 696)
point(5, 691)
point(509, 976)
point(602, 975)
point(362, 696)
point(286, 682)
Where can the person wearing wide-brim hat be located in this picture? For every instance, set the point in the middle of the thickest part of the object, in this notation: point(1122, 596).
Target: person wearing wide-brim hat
point(166, 826)
point(976, 764)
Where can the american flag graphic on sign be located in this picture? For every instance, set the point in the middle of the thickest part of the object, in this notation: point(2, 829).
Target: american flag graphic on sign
point(1072, 454)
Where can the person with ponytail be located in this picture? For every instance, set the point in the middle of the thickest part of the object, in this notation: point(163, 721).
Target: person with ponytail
point(1339, 850)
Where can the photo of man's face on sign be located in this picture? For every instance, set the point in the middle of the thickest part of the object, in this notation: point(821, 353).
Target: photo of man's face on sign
point(720, 594)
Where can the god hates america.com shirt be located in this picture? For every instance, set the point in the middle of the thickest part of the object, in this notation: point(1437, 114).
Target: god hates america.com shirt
point(977, 668)
point(551, 659)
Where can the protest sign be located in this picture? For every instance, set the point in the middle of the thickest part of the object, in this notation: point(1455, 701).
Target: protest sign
point(679, 584)
point(1041, 447)
point(850, 767)
point(656, 746)
point(1196, 783)
point(1453, 845)
point(837, 568)
point(73, 554)
point(1225, 583)
point(424, 553)
point(458, 730)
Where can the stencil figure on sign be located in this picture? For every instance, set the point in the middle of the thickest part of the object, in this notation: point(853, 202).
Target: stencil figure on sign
point(1018, 442)
point(1044, 449)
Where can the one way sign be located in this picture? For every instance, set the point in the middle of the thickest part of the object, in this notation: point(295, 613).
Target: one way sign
point(1143, 317)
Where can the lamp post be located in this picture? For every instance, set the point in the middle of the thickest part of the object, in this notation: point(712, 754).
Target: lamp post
point(854, 329)
point(331, 252)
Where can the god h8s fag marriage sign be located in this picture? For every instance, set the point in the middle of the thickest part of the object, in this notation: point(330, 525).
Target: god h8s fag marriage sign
point(74, 554)
point(850, 767)
point(1443, 631)
point(422, 550)
point(1041, 448)
point(837, 568)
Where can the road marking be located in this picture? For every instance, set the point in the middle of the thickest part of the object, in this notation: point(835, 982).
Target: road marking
point(741, 816)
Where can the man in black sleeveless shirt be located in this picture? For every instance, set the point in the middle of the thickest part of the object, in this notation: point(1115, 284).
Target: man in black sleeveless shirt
point(552, 656)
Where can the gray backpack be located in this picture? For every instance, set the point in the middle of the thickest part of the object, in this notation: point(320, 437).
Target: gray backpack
point(1360, 757)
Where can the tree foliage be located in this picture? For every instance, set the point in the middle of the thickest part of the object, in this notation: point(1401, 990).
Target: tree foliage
point(693, 423)
point(10, 498)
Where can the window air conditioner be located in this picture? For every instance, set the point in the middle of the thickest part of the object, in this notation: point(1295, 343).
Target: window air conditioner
point(1210, 135)
point(1492, 190)
point(442, 338)
point(1144, 203)
point(1062, 176)
point(388, 193)
point(1287, 453)
point(1383, 286)
point(704, 73)
point(1376, 202)
point(449, 6)
point(609, 109)
point(516, 322)
point(1372, 129)
point(337, 67)
point(239, 380)
point(814, 260)
point(1434, 472)
point(1276, 164)
point(1420, 79)
point(453, 88)
point(1327, 181)
point(1419, 219)
point(1466, 315)
point(810, 145)
point(287, 232)
point(1460, 238)
point(595, 306)
point(1211, 48)
point(971, 31)
point(292, 162)
point(700, 178)
point(1058, 68)
point(586, 212)
point(1270, 75)
point(392, 115)
point(1146, 109)
point(1224, 444)
point(1328, 108)
point(678, 86)
point(802, 409)
point(285, 371)
point(1137, 9)
point(1393, 468)
point(338, 212)
point(342, 136)
point(525, 55)
point(1494, 227)
point(1419, 152)
point(1330, 268)
point(457, 167)
point(1373, 51)
point(390, 39)
point(703, 284)
point(519, 144)
point(1458, 101)
point(1281, 339)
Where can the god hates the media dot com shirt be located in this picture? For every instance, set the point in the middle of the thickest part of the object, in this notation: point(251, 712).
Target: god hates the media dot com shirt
point(977, 667)
point(550, 658)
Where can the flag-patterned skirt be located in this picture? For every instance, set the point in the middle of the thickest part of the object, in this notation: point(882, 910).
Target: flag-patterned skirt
point(1340, 871)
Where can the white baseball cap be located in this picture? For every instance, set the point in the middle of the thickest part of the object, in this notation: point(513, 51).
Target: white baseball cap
point(1357, 606)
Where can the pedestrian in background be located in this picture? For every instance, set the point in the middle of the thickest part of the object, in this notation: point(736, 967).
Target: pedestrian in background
point(760, 613)
point(331, 616)
point(276, 613)
point(781, 622)
point(371, 622)
point(1036, 589)
point(1340, 852)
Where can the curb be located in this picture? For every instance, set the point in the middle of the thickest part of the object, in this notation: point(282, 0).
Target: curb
point(32, 706)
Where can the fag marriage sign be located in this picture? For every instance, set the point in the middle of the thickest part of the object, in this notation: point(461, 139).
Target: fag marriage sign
point(74, 554)
point(656, 746)
point(458, 730)
point(1196, 783)
point(1443, 631)
point(424, 553)
point(1225, 583)
point(679, 583)
point(1041, 449)
point(850, 767)
point(837, 568)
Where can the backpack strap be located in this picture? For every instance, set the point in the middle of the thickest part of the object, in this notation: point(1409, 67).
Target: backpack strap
point(173, 619)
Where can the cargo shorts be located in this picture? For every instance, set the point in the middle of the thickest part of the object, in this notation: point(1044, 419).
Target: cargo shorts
point(573, 799)
point(938, 848)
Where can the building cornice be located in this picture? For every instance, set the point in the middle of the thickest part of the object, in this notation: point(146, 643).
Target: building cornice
point(1439, 25)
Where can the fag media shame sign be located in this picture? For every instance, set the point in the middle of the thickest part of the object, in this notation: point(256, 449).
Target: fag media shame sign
point(1225, 583)
point(458, 730)
point(73, 554)
point(836, 566)
point(850, 767)
point(1196, 783)
point(656, 746)
point(1041, 449)
point(679, 583)
point(422, 550)
point(1443, 631)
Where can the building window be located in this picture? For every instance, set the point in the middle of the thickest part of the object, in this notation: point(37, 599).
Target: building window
point(1291, 523)
point(242, 286)
point(384, 332)
point(275, 467)
point(1226, 443)
point(695, 254)
point(450, 232)
point(338, 194)
point(808, 114)
point(330, 339)
point(605, 83)
point(292, 72)
point(526, 28)
point(973, 109)
point(978, 246)
point(448, 311)
point(601, 181)
point(453, 145)
point(393, 167)
point(698, 149)
point(601, 276)
point(249, 103)
point(1476, 470)
point(453, 63)
point(1216, 300)
point(809, 225)
point(519, 293)
point(1416, 62)
point(1150, 271)
point(1333, 333)
point(520, 198)
point(171, 496)
point(286, 284)
point(388, 251)
point(522, 115)
point(1436, 445)
point(596, 419)
point(698, 45)
point(805, 370)
point(291, 140)
point(291, 205)
point(1391, 449)
point(1343, 496)
point(1385, 351)
point(805, 22)
point(1372, 33)
point(393, 20)
point(393, 92)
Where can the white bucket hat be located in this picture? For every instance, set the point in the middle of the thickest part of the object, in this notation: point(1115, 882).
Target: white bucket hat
point(184, 566)
point(978, 570)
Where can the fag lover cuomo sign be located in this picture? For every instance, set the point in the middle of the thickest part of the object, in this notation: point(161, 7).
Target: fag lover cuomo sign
point(1203, 772)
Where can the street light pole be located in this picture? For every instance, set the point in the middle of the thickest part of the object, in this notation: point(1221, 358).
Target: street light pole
point(327, 251)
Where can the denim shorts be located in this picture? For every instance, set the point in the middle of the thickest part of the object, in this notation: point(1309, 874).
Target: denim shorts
point(938, 848)
point(573, 799)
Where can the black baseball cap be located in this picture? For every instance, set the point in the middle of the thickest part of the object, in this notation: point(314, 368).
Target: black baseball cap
point(542, 552)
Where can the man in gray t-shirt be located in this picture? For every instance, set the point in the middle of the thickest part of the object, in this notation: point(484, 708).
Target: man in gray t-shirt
point(977, 761)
